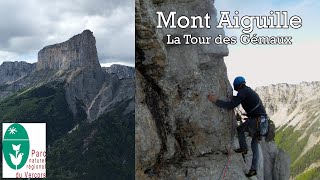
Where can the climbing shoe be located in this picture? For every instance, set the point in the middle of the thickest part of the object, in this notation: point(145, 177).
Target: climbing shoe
point(251, 173)
point(242, 151)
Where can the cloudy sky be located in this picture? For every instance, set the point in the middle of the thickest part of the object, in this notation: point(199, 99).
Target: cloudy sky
point(29, 25)
point(264, 65)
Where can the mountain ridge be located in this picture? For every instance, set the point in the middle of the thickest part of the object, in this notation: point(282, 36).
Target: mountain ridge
point(121, 71)
point(295, 110)
point(287, 96)
point(12, 71)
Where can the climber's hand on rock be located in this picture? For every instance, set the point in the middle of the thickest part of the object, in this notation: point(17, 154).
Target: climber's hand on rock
point(212, 97)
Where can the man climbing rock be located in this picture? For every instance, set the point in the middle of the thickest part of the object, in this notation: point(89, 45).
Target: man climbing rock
point(256, 114)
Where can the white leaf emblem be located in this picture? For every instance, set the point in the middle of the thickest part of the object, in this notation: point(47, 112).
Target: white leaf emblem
point(16, 160)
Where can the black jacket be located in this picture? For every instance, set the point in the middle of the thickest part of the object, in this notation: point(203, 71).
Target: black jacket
point(249, 99)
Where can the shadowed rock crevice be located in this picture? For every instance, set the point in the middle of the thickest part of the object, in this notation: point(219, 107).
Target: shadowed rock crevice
point(155, 99)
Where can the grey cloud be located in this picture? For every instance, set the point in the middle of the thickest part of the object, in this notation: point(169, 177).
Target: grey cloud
point(28, 26)
point(92, 7)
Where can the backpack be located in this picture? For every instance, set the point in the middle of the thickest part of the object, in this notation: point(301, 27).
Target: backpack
point(271, 131)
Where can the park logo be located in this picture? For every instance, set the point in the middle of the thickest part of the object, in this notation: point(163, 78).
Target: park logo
point(23, 150)
point(16, 146)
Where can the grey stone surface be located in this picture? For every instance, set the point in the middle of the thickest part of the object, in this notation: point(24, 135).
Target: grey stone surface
point(121, 71)
point(276, 162)
point(97, 90)
point(281, 169)
point(78, 51)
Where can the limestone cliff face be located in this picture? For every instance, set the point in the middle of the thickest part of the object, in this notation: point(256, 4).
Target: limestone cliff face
point(121, 71)
point(179, 133)
point(79, 51)
point(12, 71)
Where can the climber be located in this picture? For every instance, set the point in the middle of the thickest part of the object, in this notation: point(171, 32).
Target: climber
point(256, 113)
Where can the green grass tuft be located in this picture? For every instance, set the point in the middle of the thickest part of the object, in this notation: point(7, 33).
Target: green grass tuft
point(312, 174)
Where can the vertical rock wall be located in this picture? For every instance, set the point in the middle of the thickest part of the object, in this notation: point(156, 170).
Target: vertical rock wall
point(77, 52)
point(174, 119)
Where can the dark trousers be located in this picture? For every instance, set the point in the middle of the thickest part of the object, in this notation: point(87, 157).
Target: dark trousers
point(250, 126)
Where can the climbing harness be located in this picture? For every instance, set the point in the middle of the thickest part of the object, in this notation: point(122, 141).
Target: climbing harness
point(254, 108)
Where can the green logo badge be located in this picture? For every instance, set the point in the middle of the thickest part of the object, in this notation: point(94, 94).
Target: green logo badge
point(16, 146)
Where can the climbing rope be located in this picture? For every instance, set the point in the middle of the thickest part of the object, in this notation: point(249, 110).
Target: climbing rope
point(227, 163)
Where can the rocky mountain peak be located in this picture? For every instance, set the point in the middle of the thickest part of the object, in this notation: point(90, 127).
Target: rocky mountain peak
point(12, 71)
point(78, 51)
point(121, 71)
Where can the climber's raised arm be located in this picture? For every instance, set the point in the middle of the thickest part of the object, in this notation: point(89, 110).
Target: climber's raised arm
point(235, 101)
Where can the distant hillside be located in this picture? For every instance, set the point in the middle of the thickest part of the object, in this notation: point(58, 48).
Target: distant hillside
point(282, 100)
point(295, 110)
